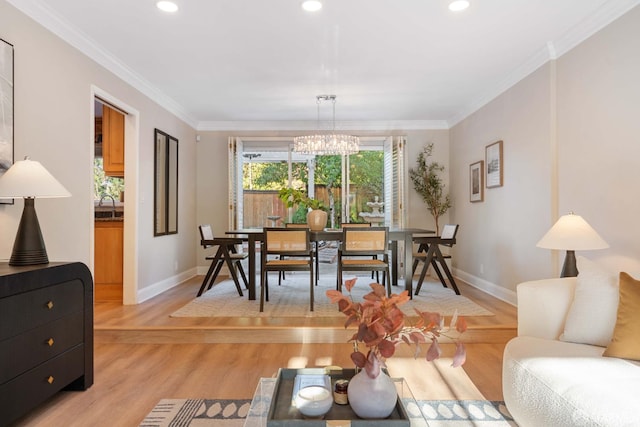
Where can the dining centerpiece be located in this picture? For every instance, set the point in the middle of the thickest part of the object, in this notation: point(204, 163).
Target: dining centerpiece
point(316, 216)
point(381, 327)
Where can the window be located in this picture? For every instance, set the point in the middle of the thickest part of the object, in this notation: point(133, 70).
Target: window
point(349, 186)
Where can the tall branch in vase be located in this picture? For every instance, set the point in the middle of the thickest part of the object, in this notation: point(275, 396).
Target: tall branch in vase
point(427, 182)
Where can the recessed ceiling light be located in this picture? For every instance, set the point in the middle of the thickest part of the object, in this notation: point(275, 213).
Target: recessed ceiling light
point(458, 5)
point(167, 6)
point(312, 5)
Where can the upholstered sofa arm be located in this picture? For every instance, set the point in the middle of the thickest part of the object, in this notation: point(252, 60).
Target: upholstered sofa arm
point(543, 306)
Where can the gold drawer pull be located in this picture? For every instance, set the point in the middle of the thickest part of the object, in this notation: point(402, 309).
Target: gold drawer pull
point(50, 305)
point(50, 342)
point(50, 379)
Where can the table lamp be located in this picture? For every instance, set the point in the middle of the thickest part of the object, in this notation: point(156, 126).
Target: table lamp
point(29, 179)
point(571, 233)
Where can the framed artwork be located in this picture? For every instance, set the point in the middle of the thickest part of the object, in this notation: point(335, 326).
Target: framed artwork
point(6, 109)
point(476, 184)
point(493, 158)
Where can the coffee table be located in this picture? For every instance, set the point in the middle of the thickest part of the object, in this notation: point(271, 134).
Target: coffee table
point(261, 402)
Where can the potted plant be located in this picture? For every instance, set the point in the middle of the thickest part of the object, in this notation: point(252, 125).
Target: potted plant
point(381, 327)
point(429, 185)
point(317, 211)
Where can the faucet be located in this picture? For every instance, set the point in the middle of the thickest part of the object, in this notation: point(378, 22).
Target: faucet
point(113, 203)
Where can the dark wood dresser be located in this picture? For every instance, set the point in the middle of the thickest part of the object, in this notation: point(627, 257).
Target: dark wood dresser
point(46, 334)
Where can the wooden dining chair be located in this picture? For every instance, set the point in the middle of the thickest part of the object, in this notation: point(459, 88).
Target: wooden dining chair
point(225, 254)
point(315, 251)
point(429, 253)
point(358, 246)
point(292, 248)
point(375, 274)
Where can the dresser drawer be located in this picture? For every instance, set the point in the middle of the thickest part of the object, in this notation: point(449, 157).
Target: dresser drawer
point(22, 352)
point(24, 392)
point(28, 310)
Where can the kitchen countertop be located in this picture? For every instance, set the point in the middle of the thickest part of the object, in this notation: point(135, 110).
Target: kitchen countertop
point(115, 219)
point(106, 212)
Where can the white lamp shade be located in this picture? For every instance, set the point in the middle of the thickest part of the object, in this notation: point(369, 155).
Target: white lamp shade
point(571, 232)
point(28, 178)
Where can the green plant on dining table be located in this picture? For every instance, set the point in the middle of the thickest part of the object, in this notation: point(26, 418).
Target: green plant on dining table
point(382, 327)
point(294, 197)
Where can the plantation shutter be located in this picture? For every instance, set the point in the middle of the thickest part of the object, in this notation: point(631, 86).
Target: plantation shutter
point(235, 195)
point(394, 171)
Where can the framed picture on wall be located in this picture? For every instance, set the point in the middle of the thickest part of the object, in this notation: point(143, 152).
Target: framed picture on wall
point(476, 184)
point(493, 158)
point(6, 109)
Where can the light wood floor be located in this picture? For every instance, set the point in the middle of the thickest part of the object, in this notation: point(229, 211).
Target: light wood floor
point(142, 355)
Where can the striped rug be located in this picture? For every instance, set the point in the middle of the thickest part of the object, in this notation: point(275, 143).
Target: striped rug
point(233, 413)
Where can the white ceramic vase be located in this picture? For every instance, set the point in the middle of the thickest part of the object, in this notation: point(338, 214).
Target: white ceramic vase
point(317, 219)
point(372, 397)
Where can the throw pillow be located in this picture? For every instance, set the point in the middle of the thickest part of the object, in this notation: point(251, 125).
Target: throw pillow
point(592, 314)
point(626, 335)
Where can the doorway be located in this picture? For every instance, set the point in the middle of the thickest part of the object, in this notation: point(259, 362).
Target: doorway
point(109, 185)
point(129, 283)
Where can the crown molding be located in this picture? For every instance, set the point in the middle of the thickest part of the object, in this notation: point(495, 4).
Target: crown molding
point(533, 63)
point(608, 13)
point(40, 12)
point(281, 125)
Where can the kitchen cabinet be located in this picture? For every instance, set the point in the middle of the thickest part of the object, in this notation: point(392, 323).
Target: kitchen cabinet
point(46, 334)
point(108, 260)
point(113, 142)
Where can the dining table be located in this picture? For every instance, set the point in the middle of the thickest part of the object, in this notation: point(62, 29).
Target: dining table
point(399, 263)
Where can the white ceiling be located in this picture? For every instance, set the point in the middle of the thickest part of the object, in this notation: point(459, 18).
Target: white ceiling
point(259, 64)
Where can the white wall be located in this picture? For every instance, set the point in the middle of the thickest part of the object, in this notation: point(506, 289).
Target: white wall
point(497, 237)
point(570, 133)
point(53, 124)
point(599, 138)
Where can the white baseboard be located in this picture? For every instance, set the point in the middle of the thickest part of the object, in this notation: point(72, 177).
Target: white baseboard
point(492, 289)
point(166, 284)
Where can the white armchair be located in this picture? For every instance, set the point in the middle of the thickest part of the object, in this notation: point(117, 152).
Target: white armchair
point(548, 382)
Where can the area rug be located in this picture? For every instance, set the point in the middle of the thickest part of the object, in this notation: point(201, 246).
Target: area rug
point(233, 413)
point(291, 299)
point(446, 397)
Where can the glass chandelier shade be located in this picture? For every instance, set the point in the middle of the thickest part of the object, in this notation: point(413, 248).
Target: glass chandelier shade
point(330, 143)
point(327, 144)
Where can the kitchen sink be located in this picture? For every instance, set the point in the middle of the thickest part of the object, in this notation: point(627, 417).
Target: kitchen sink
point(108, 214)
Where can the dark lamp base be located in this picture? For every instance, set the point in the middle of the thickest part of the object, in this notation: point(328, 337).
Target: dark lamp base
point(569, 268)
point(28, 248)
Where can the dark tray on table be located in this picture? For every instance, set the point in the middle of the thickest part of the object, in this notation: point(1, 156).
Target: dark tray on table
point(283, 414)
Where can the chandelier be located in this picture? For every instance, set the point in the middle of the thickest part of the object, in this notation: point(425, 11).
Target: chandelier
point(331, 143)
